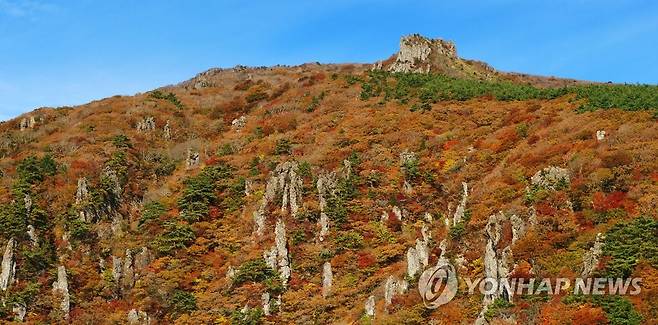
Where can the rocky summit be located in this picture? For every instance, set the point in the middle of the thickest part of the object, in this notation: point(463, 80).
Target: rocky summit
point(322, 193)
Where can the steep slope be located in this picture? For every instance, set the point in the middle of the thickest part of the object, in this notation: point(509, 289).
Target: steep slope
point(318, 193)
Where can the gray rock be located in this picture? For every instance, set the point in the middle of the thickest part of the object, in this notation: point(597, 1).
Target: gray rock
point(167, 131)
point(393, 287)
point(550, 178)
point(8, 266)
point(61, 291)
point(415, 52)
point(147, 124)
point(193, 159)
point(286, 181)
point(265, 300)
point(19, 311)
point(282, 251)
point(600, 135)
point(591, 258)
point(239, 123)
point(370, 307)
point(32, 233)
point(413, 263)
point(27, 123)
point(326, 186)
point(327, 279)
point(138, 317)
point(461, 208)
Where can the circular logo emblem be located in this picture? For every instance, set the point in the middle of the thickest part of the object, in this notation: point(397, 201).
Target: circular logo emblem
point(438, 285)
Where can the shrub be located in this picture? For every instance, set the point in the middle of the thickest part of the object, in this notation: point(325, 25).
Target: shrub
point(618, 310)
point(430, 88)
point(349, 240)
point(256, 96)
point(283, 147)
point(32, 170)
point(152, 211)
point(121, 141)
point(176, 236)
point(170, 97)
point(249, 317)
point(628, 242)
point(182, 302)
point(253, 271)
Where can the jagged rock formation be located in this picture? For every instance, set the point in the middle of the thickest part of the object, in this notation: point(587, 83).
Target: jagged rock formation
point(327, 279)
point(126, 270)
point(239, 123)
point(19, 311)
point(27, 123)
point(591, 258)
point(82, 193)
point(550, 178)
point(265, 301)
point(138, 317)
point(423, 55)
point(326, 186)
point(461, 208)
point(277, 257)
point(32, 233)
point(499, 263)
point(193, 159)
point(147, 124)
point(418, 257)
point(8, 266)
point(600, 135)
point(61, 292)
point(285, 180)
point(393, 287)
point(167, 131)
point(370, 307)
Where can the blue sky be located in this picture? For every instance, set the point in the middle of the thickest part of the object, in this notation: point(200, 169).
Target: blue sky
point(55, 53)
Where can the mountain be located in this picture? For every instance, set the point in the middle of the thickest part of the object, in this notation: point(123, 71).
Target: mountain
point(320, 194)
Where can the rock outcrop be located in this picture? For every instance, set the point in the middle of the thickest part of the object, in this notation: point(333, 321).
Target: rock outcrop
point(327, 279)
point(326, 186)
point(27, 123)
point(193, 159)
point(147, 124)
point(277, 257)
point(265, 301)
point(424, 55)
point(591, 258)
point(138, 317)
point(239, 123)
point(286, 181)
point(61, 292)
point(8, 266)
point(393, 287)
point(167, 131)
point(19, 311)
point(600, 135)
point(499, 263)
point(550, 178)
point(417, 257)
point(126, 270)
point(461, 208)
point(370, 307)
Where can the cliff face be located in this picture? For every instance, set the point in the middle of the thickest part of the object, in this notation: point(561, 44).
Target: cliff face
point(321, 193)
